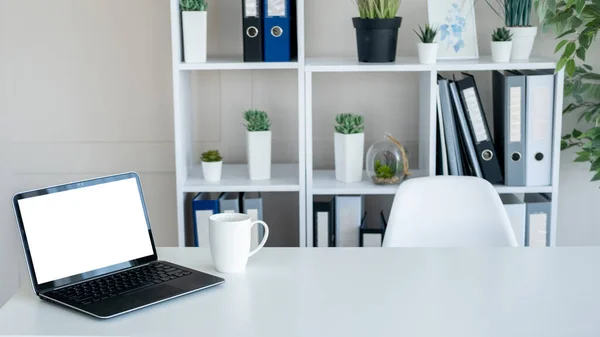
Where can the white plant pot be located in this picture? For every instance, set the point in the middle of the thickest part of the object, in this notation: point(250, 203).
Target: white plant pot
point(349, 153)
point(501, 51)
point(259, 155)
point(212, 170)
point(194, 35)
point(523, 38)
point(427, 52)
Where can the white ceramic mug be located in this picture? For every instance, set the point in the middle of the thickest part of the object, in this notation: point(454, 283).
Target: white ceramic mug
point(229, 239)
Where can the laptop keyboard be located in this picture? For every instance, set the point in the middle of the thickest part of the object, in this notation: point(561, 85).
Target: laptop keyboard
point(120, 283)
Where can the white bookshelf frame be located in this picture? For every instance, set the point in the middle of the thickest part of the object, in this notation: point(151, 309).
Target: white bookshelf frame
point(303, 179)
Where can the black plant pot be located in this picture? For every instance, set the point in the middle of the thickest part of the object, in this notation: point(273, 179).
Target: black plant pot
point(376, 39)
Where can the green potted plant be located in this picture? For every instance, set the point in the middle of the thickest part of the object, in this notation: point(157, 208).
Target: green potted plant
point(349, 146)
point(258, 126)
point(575, 24)
point(516, 15)
point(501, 45)
point(194, 29)
point(212, 164)
point(377, 30)
point(428, 49)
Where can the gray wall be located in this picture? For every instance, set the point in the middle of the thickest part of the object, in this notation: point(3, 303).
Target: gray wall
point(85, 90)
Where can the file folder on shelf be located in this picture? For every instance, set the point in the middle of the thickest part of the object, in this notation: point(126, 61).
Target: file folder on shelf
point(509, 125)
point(277, 30)
point(516, 211)
point(484, 145)
point(442, 154)
point(348, 217)
point(540, 117)
point(252, 24)
point(323, 222)
point(203, 205)
point(539, 209)
point(467, 141)
point(253, 206)
point(372, 237)
point(450, 132)
point(229, 202)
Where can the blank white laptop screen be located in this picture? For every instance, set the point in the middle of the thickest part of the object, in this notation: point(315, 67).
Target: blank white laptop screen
point(80, 230)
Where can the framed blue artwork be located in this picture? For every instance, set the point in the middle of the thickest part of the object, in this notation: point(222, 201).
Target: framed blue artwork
point(457, 36)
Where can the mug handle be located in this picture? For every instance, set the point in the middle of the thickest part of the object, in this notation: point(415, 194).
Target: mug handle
point(264, 240)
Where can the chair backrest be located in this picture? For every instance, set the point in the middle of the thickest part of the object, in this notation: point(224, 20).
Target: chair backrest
point(448, 211)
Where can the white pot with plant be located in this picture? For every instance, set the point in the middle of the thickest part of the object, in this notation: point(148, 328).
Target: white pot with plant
point(212, 164)
point(501, 45)
point(349, 143)
point(194, 29)
point(516, 15)
point(259, 144)
point(428, 49)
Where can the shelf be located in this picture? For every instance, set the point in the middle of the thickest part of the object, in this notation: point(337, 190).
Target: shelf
point(324, 183)
point(235, 63)
point(234, 178)
point(523, 189)
point(411, 64)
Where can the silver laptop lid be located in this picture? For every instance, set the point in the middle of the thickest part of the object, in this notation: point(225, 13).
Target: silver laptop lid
point(84, 229)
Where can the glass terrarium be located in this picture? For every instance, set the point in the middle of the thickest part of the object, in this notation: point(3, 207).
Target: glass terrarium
point(386, 161)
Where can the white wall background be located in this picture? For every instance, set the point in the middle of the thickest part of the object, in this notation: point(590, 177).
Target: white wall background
point(85, 90)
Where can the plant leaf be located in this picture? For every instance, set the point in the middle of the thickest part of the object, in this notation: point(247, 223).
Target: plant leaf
point(571, 67)
point(561, 63)
point(570, 31)
point(560, 45)
point(581, 53)
point(569, 49)
point(596, 177)
point(582, 157)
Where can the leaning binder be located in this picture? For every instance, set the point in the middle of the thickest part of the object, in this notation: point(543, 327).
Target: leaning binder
point(372, 237)
point(348, 218)
point(467, 141)
point(452, 142)
point(252, 30)
point(442, 151)
point(253, 206)
point(484, 145)
point(516, 211)
point(509, 125)
point(538, 220)
point(277, 32)
point(540, 116)
point(229, 202)
point(323, 222)
point(203, 205)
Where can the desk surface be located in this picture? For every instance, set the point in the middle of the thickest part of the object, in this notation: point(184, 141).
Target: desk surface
point(358, 292)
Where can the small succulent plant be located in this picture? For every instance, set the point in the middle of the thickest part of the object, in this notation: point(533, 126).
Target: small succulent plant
point(257, 120)
point(349, 123)
point(211, 156)
point(193, 5)
point(426, 35)
point(501, 35)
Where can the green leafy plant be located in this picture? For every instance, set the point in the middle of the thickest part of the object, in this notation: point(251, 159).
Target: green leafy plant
point(349, 123)
point(193, 5)
point(501, 34)
point(378, 9)
point(426, 35)
point(211, 156)
point(383, 171)
point(257, 120)
point(515, 13)
point(576, 24)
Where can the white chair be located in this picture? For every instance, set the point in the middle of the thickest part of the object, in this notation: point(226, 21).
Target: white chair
point(448, 211)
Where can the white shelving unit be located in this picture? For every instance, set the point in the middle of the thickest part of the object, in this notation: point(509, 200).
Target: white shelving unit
point(300, 177)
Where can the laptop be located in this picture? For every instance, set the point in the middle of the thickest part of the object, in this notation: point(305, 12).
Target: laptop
point(89, 247)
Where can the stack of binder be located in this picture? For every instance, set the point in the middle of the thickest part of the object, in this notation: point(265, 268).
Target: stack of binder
point(519, 152)
point(269, 30)
point(339, 221)
point(206, 204)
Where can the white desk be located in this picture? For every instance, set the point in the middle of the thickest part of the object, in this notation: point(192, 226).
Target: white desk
point(359, 292)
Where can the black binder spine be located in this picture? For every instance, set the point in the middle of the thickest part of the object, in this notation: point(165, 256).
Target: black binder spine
point(252, 30)
point(480, 132)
